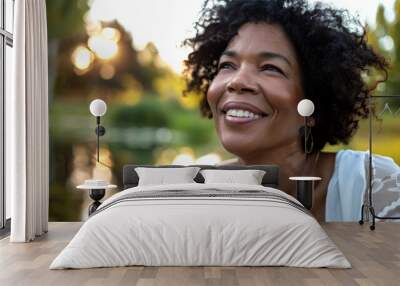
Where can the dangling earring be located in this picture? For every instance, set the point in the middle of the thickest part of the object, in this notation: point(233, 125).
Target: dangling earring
point(308, 140)
point(306, 108)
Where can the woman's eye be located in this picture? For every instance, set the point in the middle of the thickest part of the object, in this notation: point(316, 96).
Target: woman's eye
point(272, 68)
point(225, 65)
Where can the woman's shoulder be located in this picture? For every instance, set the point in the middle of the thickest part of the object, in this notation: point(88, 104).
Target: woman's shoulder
point(353, 158)
point(349, 154)
point(347, 186)
point(352, 162)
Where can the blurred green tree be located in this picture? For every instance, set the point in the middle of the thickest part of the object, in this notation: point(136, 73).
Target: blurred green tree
point(385, 37)
point(128, 70)
point(146, 112)
point(65, 18)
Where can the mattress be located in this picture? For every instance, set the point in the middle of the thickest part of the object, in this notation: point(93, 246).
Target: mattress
point(201, 225)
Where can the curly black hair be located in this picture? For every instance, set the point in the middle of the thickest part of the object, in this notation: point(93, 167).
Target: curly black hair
point(331, 47)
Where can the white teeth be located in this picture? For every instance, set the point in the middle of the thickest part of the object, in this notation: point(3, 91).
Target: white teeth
point(242, 113)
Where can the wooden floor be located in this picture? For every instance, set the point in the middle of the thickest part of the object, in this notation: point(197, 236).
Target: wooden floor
point(374, 255)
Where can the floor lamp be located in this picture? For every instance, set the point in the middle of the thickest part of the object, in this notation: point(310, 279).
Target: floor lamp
point(97, 188)
point(305, 184)
point(369, 205)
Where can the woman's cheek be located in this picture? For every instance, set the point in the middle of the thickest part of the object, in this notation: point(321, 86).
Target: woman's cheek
point(213, 96)
point(286, 99)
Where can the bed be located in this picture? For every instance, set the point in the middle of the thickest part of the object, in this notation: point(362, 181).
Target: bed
point(201, 223)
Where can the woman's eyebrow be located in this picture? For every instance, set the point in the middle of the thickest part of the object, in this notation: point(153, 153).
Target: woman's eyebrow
point(263, 55)
point(271, 55)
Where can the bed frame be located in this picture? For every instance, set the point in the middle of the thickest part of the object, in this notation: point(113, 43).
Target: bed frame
point(271, 178)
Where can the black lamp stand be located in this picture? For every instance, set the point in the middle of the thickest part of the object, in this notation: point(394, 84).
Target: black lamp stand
point(97, 194)
point(305, 193)
point(368, 207)
point(305, 185)
point(100, 131)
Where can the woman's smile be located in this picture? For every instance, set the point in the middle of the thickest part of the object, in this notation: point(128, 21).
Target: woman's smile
point(235, 112)
point(241, 117)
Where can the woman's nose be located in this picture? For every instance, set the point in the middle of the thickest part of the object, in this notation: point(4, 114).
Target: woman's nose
point(241, 82)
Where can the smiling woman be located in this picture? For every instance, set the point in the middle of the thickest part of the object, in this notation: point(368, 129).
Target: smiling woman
point(253, 61)
point(255, 93)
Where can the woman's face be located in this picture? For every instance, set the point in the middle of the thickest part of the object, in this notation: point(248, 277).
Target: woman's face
point(255, 93)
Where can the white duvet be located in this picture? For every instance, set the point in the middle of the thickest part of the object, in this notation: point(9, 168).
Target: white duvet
point(183, 231)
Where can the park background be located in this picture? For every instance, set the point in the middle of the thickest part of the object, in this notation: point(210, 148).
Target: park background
point(129, 54)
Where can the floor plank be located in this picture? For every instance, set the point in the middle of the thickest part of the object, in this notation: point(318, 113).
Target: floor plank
point(374, 255)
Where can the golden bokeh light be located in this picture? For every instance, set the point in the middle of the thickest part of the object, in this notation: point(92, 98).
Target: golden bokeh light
point(93, 28)
point(103, 47)
point(165, 156)
point(111, 34)
point(183, 159)
point(185, 156)
point(209, 159)
point(107, 71)
point(82, 58)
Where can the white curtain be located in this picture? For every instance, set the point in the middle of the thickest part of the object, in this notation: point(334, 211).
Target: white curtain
point(27, 148)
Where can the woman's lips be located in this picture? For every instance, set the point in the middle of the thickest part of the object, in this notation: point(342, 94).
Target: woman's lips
point(242, 106)
point(238, 112)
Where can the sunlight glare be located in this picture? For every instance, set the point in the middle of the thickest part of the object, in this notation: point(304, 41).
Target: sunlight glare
point(82, 58)
point(103, 47)
point(111, 34)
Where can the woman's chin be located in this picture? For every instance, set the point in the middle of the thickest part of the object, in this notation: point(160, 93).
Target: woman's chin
point(241, 137)
point(238, 144)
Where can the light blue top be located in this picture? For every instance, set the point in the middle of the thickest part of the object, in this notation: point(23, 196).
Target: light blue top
point(349, 183)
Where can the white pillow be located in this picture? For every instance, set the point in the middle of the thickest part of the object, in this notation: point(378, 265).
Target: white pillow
point(248, 177)
point(162, 176)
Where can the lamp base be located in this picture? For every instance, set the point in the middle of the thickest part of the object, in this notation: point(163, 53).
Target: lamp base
point(96, 195)
point(305, 193)
point(305, 189)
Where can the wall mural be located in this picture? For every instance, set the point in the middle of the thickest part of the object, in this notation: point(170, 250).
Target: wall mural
point(148, 121)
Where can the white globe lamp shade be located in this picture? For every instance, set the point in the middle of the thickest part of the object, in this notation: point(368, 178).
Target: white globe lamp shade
point(305, 107)
point(98, 107)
